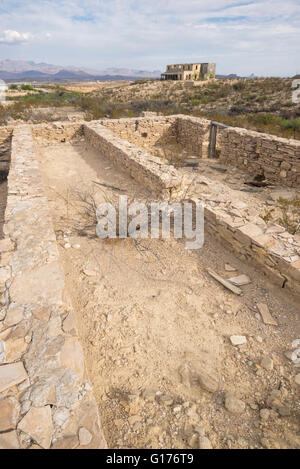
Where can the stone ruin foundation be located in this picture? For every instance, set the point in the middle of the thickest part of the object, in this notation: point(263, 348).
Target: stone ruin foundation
point(44, 387)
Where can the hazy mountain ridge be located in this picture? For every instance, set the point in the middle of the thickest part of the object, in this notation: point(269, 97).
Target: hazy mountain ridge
point(19, 69)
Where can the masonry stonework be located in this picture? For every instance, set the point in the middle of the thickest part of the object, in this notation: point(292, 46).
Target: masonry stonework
point(46, 400)
point(45, 395)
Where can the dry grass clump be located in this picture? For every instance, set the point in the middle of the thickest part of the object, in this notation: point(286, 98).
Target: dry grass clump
point(286, 213)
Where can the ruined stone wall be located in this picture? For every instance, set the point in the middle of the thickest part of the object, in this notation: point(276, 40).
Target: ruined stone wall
point(5, 149)
point(149, 170)
point(193, 134)
point(57, 132)
point(145, 132)
point(5, 139)
point(257, 153)
point(271, 249)
point(45, 397)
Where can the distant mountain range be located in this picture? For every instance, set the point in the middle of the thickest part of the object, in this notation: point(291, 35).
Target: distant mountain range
point(27, 70)
point(21, 70)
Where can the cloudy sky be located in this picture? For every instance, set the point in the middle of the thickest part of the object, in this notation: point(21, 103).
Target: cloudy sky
point(259, 36)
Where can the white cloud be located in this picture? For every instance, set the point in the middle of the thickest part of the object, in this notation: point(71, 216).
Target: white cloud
point(14, 37)
point(243, 36)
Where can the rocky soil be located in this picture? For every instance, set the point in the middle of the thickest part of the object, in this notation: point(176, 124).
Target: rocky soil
point(176, 361)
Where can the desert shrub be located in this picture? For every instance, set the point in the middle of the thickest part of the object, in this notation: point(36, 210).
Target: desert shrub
point(293, 125)
point(239, 86)
point(27, 87)
point(290, 214)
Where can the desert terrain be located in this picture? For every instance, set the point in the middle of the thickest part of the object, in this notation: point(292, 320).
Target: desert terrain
point(175, 359)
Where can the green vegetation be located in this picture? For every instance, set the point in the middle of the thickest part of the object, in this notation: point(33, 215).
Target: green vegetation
point(263, 105)
point(267, 123)
point(27, 88)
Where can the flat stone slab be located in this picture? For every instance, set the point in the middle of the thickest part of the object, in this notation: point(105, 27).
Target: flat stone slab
point(266, 315)
point(37, 423)
point(11, 374)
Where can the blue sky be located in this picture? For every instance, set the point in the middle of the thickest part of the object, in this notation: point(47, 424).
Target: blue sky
point(261, 37)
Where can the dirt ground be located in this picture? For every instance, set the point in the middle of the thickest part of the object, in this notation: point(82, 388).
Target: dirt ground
point(88, 87)
point(155, 327)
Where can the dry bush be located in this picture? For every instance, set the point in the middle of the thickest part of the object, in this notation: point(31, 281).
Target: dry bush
point(286, 213)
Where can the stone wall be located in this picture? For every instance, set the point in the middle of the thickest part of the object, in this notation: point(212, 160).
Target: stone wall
point(160, 178)
point(257, 153)
point(5, 139)
point(193, 134)
point(45, 397)
point(58, 132)
point(5, 149)
point(271, 249)
point(145, 132)
point(46, 400)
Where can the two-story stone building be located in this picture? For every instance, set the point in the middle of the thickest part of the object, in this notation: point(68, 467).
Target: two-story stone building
point(194, 71)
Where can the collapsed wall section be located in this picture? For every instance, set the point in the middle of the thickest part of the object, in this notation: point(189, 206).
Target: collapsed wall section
point(45, 397)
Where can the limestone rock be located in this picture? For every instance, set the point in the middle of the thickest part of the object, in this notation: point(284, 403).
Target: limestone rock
point(85, 437)
point(204, 443)
point(15, 349)
point(238, 339)
point(71, 356)
point(4, 275)
point(90, 273)
point(149, 395)
point(44, 284)
point(234, 405)
point(11, 374)
point(229, 268)
point(9, 440)
point(42, 394)
point(267, 363)
point(265, 314)
point(69, 324)
point(284, 411)
point(165, 399)
point(14, 315)
point(264, 414)
point(194, 441)
point(208, 383)
point(42, 313)
point(6, 245)
point(240, 280)
point(67, 442)
point(9, 412)
point(37, 423)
